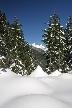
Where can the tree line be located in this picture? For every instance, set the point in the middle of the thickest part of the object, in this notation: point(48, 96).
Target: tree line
point(58, 40)
point(16, 54)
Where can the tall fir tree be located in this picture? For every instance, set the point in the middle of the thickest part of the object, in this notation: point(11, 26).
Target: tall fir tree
point(68, 33)
point(15, 52)
point(3, 34)
point(17, 46)
point(8, 45)
point(23, 61)
point(30, 60)
point(55, 42)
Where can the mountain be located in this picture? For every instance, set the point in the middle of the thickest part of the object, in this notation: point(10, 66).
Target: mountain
point(41, 47)
point(38, 51)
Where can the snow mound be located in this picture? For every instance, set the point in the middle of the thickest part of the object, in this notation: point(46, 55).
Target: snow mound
point(65, 76)
point(35, 101)
point(6, 73)
point(55, 73)
point(29, 92)
point(48, 80)
point(19, 86)
point(38, 72)
point(64, 97)
point(59, 85)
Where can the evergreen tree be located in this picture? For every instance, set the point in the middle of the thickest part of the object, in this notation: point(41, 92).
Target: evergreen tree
point(55, 42)
point(17, 45)
point(30, 60)
point(16, 51)
point(8, 45)
point(2, 33)
point(21, 53)
point(68, 33)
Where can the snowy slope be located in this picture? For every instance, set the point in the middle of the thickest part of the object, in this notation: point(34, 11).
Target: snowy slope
point(6, 73)
point(40, 92)
point(38, 72)
point(66, 76)
point(55, 73)
point(35, 101)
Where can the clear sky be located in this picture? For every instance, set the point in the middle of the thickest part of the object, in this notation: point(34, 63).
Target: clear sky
point(33, 13)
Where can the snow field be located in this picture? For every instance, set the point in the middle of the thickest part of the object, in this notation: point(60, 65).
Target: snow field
point(37, 90)
point(35, 101)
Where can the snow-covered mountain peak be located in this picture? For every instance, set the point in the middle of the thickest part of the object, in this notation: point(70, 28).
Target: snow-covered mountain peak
point(39, 46)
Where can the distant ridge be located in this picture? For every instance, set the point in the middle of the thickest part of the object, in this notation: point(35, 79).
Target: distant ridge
point(39, 46)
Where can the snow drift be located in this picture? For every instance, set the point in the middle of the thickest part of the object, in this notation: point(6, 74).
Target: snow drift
point(39, 91)
point(55, 73)
point(38, 72)
point(65, 76)
point(35, 101)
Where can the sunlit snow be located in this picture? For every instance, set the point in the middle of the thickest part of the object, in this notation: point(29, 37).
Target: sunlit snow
point(1, 57)
point(38, 90)
point(38, 72)
point(39, 46)
point(55, 73)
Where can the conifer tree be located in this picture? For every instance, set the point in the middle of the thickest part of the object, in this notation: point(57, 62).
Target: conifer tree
point(21, 53)
point(16, 51)
point(30, 60)
point(2, 33)
point(68, 33)
point(55, 42)
point(17, 45)
point(8, 45)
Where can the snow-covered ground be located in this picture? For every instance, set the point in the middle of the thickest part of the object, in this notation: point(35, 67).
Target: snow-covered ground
point(55, 73)
point(38, 72)
point(37, 90)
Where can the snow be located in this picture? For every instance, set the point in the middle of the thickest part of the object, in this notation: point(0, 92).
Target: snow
point(38, 72)
point(35, 101)
point(62, 32)
point(12, 28)
point(61, 26)
point(65, 76)
point(56, 23)
point(5, 73)
point(55, 73)
point(39, 46)
point(50, 27)
point(39, 91)
point(2, 57)
point(52, 24)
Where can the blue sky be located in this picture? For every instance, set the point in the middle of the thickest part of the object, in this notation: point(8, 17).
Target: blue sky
point(33, 13)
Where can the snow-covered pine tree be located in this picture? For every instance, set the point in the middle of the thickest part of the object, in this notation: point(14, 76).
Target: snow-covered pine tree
point(2, 38)
point(68, 33)
point(55, 42)
point(2, 33)
point(17, 46)
point(23, 61)
point(30, 60)
point(8, 44)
